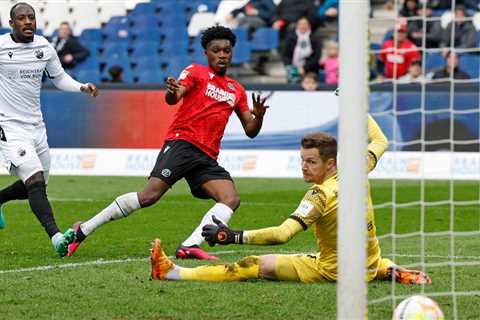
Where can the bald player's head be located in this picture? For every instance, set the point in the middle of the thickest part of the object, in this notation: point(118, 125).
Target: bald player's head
point(23, 22)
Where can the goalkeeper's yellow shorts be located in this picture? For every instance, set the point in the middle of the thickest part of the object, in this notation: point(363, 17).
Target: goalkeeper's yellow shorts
point(305, 268)
point(300, 268)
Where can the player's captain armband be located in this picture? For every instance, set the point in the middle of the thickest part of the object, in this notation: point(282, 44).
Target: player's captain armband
point(303, 210)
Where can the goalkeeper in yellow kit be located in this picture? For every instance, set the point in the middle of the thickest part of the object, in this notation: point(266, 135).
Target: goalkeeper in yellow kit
point(318, 209)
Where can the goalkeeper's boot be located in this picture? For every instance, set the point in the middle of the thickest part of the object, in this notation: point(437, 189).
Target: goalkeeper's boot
point(79, 237)
point(2, 219)
point(193, 252)
point(406, 276)
point(161, 264)
point(61, 242)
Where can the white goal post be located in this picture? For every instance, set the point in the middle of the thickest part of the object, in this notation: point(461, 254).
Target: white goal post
point(352, 138)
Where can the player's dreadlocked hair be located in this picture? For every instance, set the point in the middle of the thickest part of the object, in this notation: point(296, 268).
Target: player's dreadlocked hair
point(12, 10)
point(218, 32)
point(324, 143)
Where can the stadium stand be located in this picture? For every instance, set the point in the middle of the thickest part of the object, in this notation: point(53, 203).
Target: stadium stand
point(163, 28)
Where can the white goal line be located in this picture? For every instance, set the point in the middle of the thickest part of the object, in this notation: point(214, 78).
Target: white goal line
point(100, 262)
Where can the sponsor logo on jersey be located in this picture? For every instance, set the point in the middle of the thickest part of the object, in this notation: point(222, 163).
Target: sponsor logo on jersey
point(166, 173)
point(10, 54)
point(219, 94)
point(39, 53)
point(211, 75)
point(21, 152)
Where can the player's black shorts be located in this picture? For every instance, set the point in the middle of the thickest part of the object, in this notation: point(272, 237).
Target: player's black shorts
point(180, 159)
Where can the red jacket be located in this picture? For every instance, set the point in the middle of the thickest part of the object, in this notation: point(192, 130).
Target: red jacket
point(402, 57)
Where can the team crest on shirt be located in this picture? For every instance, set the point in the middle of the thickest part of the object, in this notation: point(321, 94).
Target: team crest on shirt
point(39, 53)
point(21, 152)
point(10, 54)
point(230, 86)
point(166, 173)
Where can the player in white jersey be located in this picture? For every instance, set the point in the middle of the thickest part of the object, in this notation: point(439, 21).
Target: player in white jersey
point(24, 57)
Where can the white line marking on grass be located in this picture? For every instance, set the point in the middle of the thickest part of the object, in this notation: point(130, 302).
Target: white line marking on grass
point(128, 260)
point(117, 261)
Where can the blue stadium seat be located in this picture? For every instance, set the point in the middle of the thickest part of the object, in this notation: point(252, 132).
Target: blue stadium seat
point(151, 76)
point(193, 5)
point(92, 62)
point(93, 47)
point(199, 57)
point(4, 30)
point(115, 48)
point(470, 63)
point(143, 9)
point(174, 19)
point(147, 35)
point(143, 22)
point(163, 7)
point(120, 35)
point(88, 75)
point(241, 34)
point(174, 48)
point(147, 62)
point(91, 35)
point(241, 53)
point(433, 60)
point(144, 49)
point(177, 64)
point(264, 39)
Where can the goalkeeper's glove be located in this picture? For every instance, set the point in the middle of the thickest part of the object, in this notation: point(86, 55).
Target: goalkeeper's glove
point(221, 234)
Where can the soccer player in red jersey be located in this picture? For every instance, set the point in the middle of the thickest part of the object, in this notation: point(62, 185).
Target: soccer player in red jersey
point(193, 142)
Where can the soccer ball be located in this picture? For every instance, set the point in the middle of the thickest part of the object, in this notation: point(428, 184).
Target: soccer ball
point(418, 308)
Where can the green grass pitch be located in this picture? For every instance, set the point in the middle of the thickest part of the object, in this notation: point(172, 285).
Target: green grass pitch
point(108, 277)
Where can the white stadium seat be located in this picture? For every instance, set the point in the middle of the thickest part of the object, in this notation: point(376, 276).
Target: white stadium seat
point(55, 12)
point(200, 21)
point(84, 15)
point(110, 8)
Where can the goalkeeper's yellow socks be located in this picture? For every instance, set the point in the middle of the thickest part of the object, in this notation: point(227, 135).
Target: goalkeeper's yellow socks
point(164, 269)
point(244, 269)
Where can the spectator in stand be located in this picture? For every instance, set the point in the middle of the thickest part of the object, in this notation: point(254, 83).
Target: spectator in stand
point(289, 11)
point(414, 73)
point(409, 8)
point(309, 82)
point(327, 11)
point(330, 63)
point(116, 74)
point(301, 51)
point(398, 59)
point(68, 48)
point(255, 14)
point(433, 30)
point(464, 32)
point(450, 65)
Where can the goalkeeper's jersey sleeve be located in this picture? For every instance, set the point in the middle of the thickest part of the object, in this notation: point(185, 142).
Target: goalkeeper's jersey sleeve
point(378, 143)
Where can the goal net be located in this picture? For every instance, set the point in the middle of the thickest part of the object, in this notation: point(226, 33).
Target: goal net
point(424, 92)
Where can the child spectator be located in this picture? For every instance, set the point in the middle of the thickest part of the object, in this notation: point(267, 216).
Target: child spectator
point(330, 62)
point(309, 82)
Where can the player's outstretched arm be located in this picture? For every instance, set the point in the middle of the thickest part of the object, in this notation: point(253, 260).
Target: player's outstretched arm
point(252, 120)
point(219, 233)
point(378, 143)
point(175, 91)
